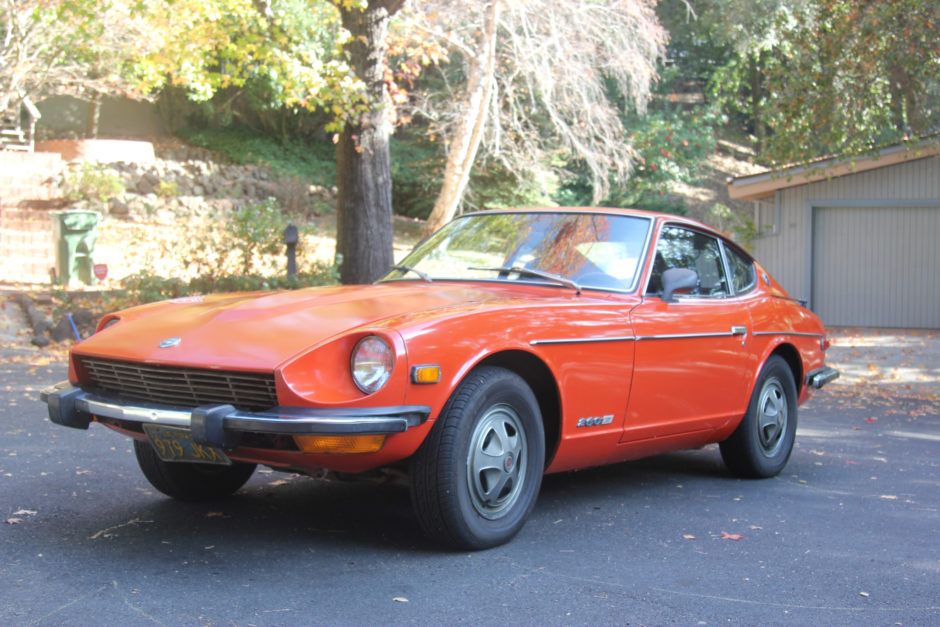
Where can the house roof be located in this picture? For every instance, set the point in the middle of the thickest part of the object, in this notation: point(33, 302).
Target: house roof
point(765, 184)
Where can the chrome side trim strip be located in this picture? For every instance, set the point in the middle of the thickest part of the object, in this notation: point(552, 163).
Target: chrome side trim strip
point(687, 336)
point(637, 338)
point(583, 340)
point(795, 333)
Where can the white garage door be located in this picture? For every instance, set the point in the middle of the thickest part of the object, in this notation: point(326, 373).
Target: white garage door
point(877, 267)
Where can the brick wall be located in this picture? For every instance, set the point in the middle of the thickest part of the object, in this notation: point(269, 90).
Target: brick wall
point(26, 195)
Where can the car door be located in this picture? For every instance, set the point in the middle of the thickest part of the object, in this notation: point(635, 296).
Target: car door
point(691, 367)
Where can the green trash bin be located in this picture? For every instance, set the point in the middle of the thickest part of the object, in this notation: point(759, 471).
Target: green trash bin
point(75, 232)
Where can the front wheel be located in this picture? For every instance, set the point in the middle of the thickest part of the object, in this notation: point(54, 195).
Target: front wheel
point(476, 477)
point(186, 481)
point(762, 443)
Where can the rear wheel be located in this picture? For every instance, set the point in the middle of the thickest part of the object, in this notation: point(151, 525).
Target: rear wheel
point(762, 443)
point(476, 477)
point(186, 481)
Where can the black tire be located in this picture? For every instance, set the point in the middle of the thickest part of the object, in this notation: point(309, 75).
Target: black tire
point(762, 443)
point(476, 477)
point(186, 481)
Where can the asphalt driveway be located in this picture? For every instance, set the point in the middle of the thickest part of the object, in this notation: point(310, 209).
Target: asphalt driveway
point(905, 362)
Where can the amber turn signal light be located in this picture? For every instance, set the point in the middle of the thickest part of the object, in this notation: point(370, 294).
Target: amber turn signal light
point(340, 443)
point(425, 374)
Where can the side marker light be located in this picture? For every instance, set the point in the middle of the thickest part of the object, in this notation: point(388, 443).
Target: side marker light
point(425, 374)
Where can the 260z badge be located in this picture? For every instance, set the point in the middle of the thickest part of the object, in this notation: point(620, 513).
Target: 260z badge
point(596, 420)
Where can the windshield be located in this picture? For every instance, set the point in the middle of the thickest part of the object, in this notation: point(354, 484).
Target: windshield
point(591, 250)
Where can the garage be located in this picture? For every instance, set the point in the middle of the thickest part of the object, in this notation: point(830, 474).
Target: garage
point(859, 240)
point(877, 266)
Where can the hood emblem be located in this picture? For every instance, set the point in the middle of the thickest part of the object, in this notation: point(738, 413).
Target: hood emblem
point(170, 342)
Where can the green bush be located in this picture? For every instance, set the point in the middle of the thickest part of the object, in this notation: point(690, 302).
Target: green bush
point(167, 189)
point(671, 147)
point(234, 250)
point(417, 175)
point(241, 241)
point(92, 183)
point(313, 161)
point(145, 287)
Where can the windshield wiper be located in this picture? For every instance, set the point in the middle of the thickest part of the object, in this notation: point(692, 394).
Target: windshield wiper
point(532, 272)
point(406, 269)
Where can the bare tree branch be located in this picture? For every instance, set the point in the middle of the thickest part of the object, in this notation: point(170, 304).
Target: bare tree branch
point(56, 47)
point(563, 75)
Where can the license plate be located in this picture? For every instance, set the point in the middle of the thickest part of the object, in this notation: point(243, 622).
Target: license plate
point(177, 445)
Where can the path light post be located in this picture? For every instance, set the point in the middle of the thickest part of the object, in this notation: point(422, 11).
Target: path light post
point(291, 236)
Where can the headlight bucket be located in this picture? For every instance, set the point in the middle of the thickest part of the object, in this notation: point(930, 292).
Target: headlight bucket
point(371, 363)
point(107, 321)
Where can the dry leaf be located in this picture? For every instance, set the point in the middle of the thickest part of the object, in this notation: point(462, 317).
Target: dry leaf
point(730, 536)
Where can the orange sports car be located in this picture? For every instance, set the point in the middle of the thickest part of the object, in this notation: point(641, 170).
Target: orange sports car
point(506, 345)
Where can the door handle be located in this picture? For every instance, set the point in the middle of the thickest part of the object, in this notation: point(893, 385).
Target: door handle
point(737, 330)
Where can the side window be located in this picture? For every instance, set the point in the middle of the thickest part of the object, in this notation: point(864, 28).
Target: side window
point(743, 276)
point(680, 247)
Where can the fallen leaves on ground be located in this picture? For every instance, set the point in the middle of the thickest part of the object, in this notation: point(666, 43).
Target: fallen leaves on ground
point(16, 517)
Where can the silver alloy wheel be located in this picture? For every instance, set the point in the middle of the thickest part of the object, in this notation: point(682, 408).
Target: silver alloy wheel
point(496, 461)
point(772, 415)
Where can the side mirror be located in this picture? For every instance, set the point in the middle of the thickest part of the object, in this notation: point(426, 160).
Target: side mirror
point(676, 279)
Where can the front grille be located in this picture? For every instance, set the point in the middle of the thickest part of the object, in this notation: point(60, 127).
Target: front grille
point(185, 387)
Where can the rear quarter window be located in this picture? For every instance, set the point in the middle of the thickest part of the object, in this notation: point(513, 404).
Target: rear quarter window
point(743, 274)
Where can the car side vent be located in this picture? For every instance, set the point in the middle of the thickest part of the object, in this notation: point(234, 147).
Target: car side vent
point(184, 387)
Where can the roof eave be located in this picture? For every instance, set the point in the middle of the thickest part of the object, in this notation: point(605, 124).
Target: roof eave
point(765, 184)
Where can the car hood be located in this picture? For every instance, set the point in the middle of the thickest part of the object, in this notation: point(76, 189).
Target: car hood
point(262, 331)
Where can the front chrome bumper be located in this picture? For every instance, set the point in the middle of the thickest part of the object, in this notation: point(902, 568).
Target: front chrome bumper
point(822, 376)
point(222, 425)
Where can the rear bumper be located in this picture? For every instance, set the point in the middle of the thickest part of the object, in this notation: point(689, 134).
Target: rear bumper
point(222, 425)
point(822, 376)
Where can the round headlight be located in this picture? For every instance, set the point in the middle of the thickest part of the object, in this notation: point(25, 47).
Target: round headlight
point(371, 363)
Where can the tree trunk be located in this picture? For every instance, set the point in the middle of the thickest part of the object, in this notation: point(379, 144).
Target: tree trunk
point(364, 236)
point(463, 147)
point(757, 102)
point(94, 117)
point(910, 111)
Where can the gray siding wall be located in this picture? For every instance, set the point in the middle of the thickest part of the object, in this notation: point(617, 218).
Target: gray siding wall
point(787, 254)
